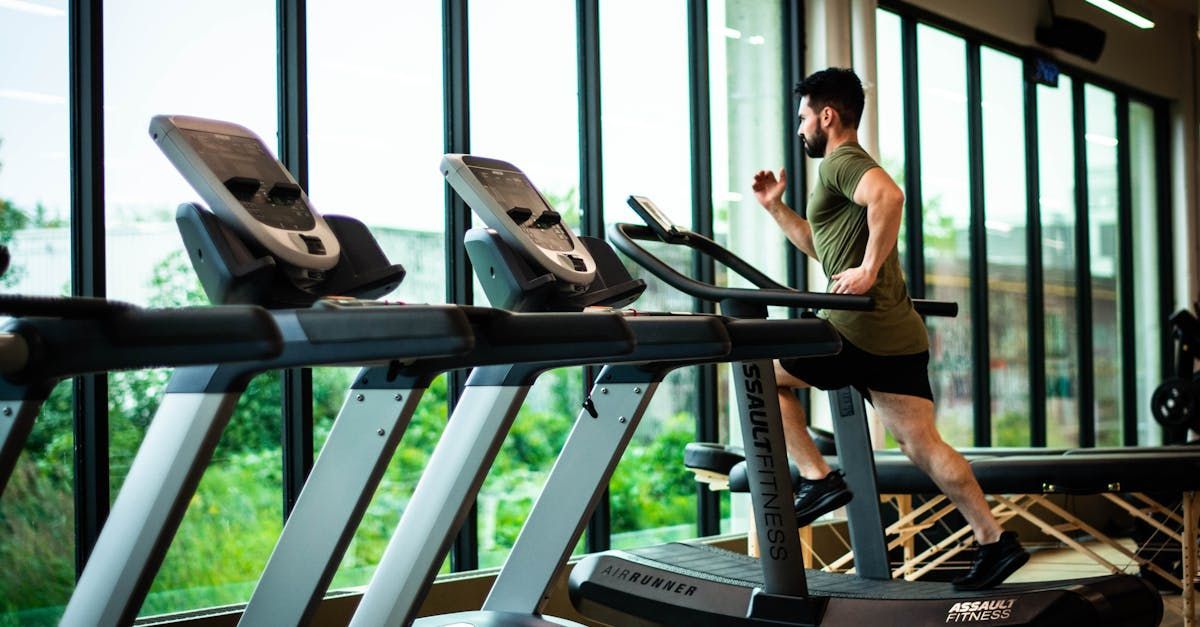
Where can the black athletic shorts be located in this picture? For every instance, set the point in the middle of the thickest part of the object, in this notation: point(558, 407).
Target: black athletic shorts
point(895, 374)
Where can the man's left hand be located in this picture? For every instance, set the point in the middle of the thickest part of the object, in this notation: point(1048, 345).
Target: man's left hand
point(857, 280)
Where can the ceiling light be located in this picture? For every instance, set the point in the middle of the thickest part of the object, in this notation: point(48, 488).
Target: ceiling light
point(31, 7)
point(1125, 13)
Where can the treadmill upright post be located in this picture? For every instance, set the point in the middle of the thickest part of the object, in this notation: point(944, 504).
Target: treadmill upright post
point(857, 459)
point(444, 494)
point(151, 503)
point(767, 465)
point(561, 512)
point(18, 411)
point(352, 462)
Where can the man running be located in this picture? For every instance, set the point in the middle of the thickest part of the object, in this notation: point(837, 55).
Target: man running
point(854, 215)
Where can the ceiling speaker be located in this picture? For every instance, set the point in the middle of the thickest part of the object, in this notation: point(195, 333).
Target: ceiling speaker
point(1074, 36)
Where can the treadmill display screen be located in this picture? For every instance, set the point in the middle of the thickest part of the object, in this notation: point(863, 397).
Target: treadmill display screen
point(244, 159)
point(512, 189)
point(652, 215)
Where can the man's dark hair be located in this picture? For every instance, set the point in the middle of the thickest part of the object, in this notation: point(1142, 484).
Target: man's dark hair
point(835, 87)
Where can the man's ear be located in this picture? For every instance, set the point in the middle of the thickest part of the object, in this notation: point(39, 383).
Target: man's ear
point(827, 116)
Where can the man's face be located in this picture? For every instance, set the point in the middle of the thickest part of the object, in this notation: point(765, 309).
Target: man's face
point(811, 134)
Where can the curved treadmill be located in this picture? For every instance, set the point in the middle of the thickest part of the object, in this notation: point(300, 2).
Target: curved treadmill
point(686, 584)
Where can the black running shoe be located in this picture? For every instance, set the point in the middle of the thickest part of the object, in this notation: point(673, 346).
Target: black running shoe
point(994, 563)
point(815, 497)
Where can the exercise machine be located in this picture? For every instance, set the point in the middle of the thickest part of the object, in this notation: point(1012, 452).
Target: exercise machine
point(691, 584)
point(258, 212)
point(1176, 401)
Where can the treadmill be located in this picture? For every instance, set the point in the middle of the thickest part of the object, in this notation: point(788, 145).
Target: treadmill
point(264, 243)
point(696, 585)
point(513, 259)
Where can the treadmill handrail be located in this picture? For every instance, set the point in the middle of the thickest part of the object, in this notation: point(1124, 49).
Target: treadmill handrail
point(770, 292)
point(119, 336)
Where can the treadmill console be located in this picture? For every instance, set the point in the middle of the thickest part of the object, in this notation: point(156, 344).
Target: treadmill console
point(508, 203)
point(654, 217)
point(249, 189)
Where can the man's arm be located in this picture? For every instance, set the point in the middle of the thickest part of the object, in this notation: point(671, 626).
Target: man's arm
point(769, 192)
point(885, 206)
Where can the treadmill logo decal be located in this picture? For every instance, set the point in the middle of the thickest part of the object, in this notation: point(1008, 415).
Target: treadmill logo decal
point(772, 518)
point(650, 581)
point(979, 611)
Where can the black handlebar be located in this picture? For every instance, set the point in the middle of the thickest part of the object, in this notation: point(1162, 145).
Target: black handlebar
point(940, 308)
point(64, 307)
point(769, 292)
point(94, 335)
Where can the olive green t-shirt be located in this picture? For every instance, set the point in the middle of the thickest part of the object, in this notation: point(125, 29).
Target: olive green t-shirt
point(839, 229)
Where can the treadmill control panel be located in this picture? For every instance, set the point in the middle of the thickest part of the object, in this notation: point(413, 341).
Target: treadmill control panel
point(506, 200)
point(248, 188)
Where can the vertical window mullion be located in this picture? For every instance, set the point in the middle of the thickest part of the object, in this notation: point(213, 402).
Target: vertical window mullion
point(1083, 273)
point(90, 405)
point(1036, 312)
point(295, 383)
point(591, 199)
point(978, 248)
point(914, 226)
point(1125, 245)
point(1166, 253)
point(464, 555)
point(708, 514)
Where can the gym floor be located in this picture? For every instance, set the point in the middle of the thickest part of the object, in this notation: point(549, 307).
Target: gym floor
point(1055, 563)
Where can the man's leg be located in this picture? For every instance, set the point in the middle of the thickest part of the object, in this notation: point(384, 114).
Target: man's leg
point(800, 445)
point(910, 420)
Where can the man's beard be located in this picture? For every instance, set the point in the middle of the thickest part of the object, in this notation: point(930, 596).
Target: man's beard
point(815, 148)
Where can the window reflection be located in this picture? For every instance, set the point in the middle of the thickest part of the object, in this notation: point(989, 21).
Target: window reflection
point(376, 124)
point(946, 211)
point(1005, 227)
point(1100, 137)
point(524, 110)
point(180, 62)
point(1056, 174)
point(1147, 316)
point(37, 511)
point(647, 151)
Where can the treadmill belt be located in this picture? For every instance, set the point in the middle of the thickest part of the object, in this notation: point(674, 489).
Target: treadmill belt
point(718, 565)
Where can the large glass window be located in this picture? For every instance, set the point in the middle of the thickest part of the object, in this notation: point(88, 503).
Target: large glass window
point(749, 133)
point(181, 61)
point(889, 90)
point(37, 509)
point(1147, 316)
point(1007, 254)
point(524, 109)
point(1056, 177)
point(1100, 136)
point(945, 187)
point(375, 121)
point(647, 151)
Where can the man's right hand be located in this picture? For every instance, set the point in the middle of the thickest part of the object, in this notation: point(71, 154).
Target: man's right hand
point(768, 190)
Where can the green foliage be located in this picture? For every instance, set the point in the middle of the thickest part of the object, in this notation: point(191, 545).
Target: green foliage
point(651, 488)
